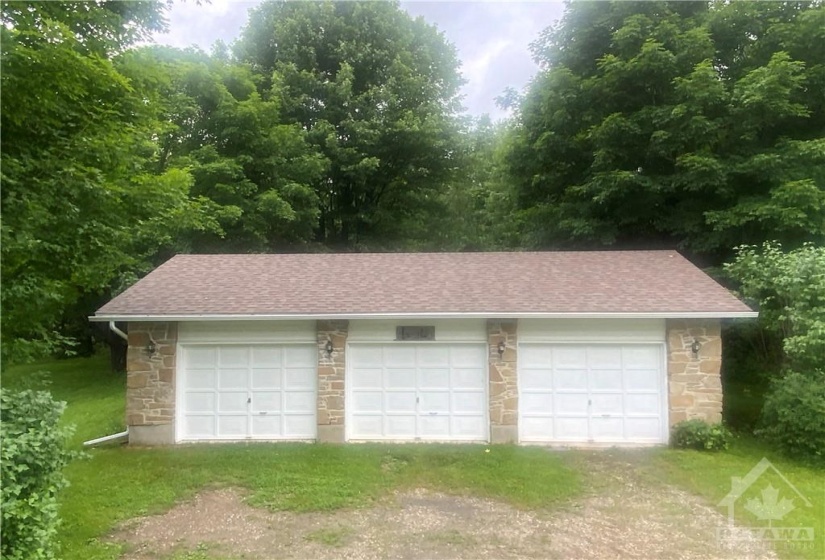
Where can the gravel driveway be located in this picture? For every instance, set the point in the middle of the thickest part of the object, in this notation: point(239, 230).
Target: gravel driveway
point(624, 514)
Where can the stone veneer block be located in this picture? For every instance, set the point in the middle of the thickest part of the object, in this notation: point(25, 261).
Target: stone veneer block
point(150, 383)
point(331, 368)
point(503, 380)
point(694, 381)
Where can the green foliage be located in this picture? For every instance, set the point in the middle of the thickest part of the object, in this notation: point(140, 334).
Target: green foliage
point(375, 91)
point(663, 123)
point(789, 289)
point(698, 434)
point(33, 456)
point(793, 416)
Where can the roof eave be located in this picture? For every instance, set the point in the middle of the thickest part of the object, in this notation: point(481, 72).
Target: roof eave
point(105, 317)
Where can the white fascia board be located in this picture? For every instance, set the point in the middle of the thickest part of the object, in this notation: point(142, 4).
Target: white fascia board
point(405, 316)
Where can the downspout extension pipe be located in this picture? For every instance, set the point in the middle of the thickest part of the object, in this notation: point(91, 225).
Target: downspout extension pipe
point(117, 331)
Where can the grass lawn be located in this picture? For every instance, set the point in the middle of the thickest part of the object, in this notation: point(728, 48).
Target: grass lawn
point(709, 475)
point(117, 483)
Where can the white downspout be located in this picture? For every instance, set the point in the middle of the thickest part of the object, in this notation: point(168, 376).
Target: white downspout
point(117, 331)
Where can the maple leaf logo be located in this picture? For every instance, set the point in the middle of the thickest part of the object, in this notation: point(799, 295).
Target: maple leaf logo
point(769, 507)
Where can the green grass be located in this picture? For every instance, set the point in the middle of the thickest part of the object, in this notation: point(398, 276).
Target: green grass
point(116, 483)
point(330, 536)
point(709, 475)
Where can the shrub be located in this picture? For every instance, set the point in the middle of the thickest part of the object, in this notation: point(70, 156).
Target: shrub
point(31, 464)
point(793, 416)
point(698, 434)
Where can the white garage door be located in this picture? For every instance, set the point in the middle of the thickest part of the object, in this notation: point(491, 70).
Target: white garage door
point(418, 392)
point(248, 392)
point(600, 393)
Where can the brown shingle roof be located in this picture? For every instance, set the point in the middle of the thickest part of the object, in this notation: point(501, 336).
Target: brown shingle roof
point(497, 284)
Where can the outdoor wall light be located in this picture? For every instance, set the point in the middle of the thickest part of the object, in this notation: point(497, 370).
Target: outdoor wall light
point(695, 347)
point(328, 348)
point(501, 348)
point(151, 348)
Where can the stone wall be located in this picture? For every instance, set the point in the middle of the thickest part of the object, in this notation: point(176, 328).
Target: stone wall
point(150, 383)
point(503, 381)
point(331, 369)
point(695, 384)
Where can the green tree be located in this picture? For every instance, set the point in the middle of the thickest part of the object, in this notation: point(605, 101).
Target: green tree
point(675, 123)
point(375, 91)
point(83, 208)
point(257, 172)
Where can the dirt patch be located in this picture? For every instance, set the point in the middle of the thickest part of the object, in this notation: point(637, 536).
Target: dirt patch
point(625, 514)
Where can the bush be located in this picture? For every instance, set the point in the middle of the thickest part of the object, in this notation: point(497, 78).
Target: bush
point(31, 464)
point(793, 416)
point(698, 434)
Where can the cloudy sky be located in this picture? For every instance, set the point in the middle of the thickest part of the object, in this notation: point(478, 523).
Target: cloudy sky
point(492, 37)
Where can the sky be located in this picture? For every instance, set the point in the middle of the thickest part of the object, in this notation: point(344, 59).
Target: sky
point(492, 38)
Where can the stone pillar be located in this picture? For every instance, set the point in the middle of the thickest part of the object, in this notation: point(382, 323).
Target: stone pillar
point(695, 383)
point(150, 383)
point(503, 381)
point(331, 369)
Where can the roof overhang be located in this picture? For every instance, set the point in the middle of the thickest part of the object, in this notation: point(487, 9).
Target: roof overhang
point(405, 316)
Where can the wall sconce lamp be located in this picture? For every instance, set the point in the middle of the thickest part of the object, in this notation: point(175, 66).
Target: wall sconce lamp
point(328, 348)
point(151, 347)
point(695, 347)
point(501, 348)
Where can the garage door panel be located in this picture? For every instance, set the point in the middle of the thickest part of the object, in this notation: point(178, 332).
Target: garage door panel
point(418, 391)
point(400, 401)
point(400, 426)
point(535, 428)
point(233, 426)
point(264, 425)
point(200, 425)
point(200, 379)
point(435, 427)
point(640, 357)
point(467, 378)
point(607, 429)
point(600, 392)
point(368, 401)
point(430, 401)
point(643, 428)
point(570, 380)
point(200, 402)
point(396, 378)
point(536, 356)
point(233, 379)
point(571, 403)
point(434, 356)
point(642, 380)
point(606, 404)
point(299, 378)
point(366, 378)
point(266, 401)
point(469, 402)
point(430, 378)
point(608, 357)
point(644, 403)
point(539, 379)
point(400, 357)
point(302, 425)
point(570, 357)
point(368, 427)
point(243, 391)
point(233, 357)
point(266, 378)
point(606, 380)
point(571, 429)
point(232, 402)
point(467, 356)
point(266, 357)
point(536, 403)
